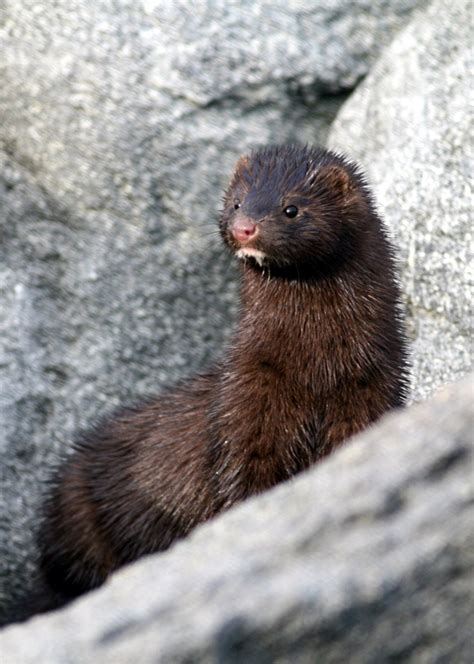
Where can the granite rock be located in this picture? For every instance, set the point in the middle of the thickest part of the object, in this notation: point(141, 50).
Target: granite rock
point(119, 122)
point(409, 124)
point(365, 558)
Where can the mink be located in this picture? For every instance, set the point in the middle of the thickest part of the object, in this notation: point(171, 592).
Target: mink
point(319, 354)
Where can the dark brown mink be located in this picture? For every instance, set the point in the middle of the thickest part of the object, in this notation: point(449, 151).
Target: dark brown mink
point(319, 353)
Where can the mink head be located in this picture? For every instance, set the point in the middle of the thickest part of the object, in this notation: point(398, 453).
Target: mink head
point(295, 206)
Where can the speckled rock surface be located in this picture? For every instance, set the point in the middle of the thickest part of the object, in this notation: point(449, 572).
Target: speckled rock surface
point(119, 121)
point(366, 558)
point(409, 123)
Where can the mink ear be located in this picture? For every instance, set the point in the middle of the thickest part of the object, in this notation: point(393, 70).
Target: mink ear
point(338, 179)
point(241, 163)
point(237, 176)
point(240, 170)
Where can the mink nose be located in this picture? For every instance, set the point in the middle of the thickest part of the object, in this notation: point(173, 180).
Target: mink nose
point(243, 229)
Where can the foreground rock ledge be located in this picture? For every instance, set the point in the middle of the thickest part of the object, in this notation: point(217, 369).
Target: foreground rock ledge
point(369, 554)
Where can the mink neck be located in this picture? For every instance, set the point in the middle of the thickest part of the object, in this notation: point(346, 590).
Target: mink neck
point(284, 310)
point(272, 288)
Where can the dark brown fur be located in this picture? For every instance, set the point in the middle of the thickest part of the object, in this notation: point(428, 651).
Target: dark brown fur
point(318, 355)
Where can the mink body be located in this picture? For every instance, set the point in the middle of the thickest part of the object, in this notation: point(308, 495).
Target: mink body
point(319, 354)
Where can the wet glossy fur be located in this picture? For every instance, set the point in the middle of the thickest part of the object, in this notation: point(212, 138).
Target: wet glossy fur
point(318, 355)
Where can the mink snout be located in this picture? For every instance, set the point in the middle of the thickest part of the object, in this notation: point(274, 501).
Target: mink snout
point(243, 230)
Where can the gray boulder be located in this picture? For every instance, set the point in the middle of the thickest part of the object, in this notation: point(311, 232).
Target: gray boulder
point(365, 558)
point(119, 122)
point(409, 124)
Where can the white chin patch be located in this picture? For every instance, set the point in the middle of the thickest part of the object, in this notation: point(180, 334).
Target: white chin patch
point(251, 253)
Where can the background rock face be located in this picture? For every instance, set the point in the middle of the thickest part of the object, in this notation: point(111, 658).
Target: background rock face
point(119, 122)
point(409, 124)
point(365, 558)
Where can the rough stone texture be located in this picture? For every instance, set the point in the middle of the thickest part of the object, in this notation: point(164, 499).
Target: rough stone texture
point(366, 558)
point(119, 121)
point(409, 123)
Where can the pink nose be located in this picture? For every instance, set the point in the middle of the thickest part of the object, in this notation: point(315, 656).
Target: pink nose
point(243, 229)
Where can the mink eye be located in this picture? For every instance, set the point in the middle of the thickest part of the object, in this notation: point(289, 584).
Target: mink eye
point(291, 211)
point(237, 204)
